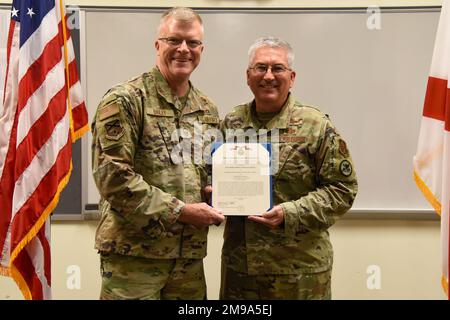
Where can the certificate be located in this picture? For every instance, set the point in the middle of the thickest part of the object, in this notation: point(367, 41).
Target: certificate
point(241, 179)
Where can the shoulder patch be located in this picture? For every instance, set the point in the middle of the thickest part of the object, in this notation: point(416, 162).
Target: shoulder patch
point(108, 111)
point(346, 168)
point(114, 130)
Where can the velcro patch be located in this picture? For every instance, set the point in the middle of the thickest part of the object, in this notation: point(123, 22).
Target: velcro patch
point(108, 111)
point(161, 112)
point(346, 168)
point(114, 130)
point(210, 119)
point(343, 148)
point(292, 138)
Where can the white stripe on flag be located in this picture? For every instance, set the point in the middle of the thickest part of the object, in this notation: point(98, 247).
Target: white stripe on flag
point(35, 44)
point(445, 206)
point(36, 253)
point(429, 161)
point(32, 176)
point(38, 102)
point(440, 65)
point(432, 160)
point(9, 108)
point(41, 164)
point(70, 50)
point(76, 94)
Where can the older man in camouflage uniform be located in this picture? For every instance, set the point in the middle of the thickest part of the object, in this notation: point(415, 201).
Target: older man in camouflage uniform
point(154, 221)
point(286, 253)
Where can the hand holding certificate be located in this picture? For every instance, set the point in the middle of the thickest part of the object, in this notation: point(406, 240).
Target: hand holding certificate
point(241, 178)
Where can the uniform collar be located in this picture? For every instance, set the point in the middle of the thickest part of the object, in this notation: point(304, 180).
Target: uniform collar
point(280, 121)
point(193, 102)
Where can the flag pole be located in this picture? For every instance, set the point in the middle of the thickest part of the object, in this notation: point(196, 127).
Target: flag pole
point(80, 132)
point(66, 64)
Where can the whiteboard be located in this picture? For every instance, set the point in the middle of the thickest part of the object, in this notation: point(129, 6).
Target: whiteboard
point(370, 82)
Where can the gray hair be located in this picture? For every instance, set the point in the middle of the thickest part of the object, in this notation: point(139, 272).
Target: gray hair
point(272, 42)
point(183, 14)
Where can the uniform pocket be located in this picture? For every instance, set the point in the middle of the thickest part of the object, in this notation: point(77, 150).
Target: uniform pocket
point(156, 139)
point(296, 166)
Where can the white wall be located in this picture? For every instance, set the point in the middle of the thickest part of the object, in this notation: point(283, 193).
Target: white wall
point(407, 253)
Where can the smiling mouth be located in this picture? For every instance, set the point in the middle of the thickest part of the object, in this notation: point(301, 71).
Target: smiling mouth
point(182, 60)
point(269, 86)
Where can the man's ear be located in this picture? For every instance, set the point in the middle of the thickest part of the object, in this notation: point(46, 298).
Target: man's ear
point(293, 75)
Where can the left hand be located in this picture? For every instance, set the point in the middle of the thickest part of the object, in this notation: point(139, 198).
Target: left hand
point(272, 218)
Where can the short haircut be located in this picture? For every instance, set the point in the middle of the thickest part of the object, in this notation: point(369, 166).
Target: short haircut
point(272, 42)
point(183, 14)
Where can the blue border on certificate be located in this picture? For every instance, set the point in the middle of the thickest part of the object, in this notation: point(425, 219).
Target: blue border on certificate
point(267, 146)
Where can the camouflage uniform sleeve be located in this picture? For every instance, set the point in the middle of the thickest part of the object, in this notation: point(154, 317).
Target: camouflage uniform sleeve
point(116, 131)
point(336, 187)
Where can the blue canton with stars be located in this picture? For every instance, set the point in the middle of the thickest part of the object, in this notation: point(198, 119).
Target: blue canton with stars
point(30, 14)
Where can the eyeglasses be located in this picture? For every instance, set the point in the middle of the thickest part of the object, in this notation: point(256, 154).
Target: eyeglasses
point(175, 42)
point(276, 68)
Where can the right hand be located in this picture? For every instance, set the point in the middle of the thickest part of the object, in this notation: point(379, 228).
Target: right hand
point(200, 215)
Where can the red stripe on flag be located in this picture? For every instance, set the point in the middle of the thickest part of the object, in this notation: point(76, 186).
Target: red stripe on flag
point(79, 116)
point(31, 211)
point(73, 73)
point(24, 265)
point(437, 101)
point(40, 131)
point(37, 72)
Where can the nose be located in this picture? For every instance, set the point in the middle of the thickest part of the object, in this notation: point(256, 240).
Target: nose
point(183, 47)
point(269, 75)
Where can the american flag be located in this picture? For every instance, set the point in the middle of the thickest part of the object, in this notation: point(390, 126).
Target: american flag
point(43, 114)
point(432, 160)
